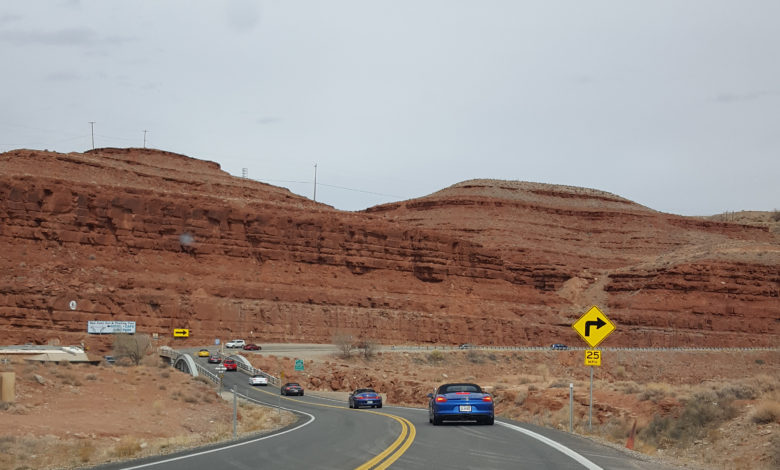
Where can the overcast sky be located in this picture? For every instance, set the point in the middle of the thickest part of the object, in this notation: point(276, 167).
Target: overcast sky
point(672, 104)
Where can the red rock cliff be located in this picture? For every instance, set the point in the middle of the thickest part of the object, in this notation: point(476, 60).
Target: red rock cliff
point(174, 242)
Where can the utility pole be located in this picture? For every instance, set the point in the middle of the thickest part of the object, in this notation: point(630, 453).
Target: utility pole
point(144, 138)
point(315, 182)
point(92, 126)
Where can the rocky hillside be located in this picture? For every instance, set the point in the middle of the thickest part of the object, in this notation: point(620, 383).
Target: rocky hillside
point(173, 242)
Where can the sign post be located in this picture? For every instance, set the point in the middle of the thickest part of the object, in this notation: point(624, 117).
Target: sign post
point(299, 364)
point(593, 327)
point(221, 372)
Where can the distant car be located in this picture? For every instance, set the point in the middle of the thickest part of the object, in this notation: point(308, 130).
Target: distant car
point(235, 343)
point(559, 346)
point(365, 397)
point(291, 388)
point(109, 359)
point(465, 346)
point(252, 347)
point(258, 380)
point(204, 353)
point(460, 402)
point(215, 359)
point(230, 364)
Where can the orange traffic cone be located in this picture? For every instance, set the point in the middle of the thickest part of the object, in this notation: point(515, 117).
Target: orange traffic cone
point(630, 441)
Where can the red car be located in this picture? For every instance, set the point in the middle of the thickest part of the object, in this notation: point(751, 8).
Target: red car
point(230, 364)
point(252, 347)
point(215, 359)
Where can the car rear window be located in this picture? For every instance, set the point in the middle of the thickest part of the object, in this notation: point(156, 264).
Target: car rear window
point(460, 388)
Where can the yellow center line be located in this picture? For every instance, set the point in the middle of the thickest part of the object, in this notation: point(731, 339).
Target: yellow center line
point(397, 448)
point(407, 442)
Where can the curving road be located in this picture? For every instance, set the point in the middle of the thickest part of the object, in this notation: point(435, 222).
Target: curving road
point(329, 435)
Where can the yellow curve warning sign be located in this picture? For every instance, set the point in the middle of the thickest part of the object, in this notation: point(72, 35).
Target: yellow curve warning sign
point(593, 326)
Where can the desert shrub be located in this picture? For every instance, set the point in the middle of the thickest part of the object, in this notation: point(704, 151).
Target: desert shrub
point(127, 447)
point(344, 342)
point(700, 413)
point(524, 380)
point(740, 391)
point(560, 383)
point(475, 357)
point(162, 387)
point(92, 377)
point(766, 412)
point(655, 392)
point(627, 387)
point(774, 451)
point(492, 357)
point(176, 394)
point(4, 405)
point(532, 387)
point(760, 362)
point(369, 348)
point(656, 430)
point(165, 374)
point(616, 429)
point(190, 399)
point(521, 396)
point(202, 379)
point(775, 215)
point(70, 379)
point(6, 442)
point(131, 348)
point(620, 372)
point(435, 357)
point(85, 451)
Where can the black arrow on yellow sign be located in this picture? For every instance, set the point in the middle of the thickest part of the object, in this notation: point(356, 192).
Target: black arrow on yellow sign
point(598, 324)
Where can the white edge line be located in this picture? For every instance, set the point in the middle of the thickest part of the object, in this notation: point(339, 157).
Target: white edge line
point(219, 449)
point(559, 447)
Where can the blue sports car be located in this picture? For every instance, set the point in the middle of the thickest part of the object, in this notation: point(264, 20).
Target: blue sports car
point(365, 397)
point(460, 402)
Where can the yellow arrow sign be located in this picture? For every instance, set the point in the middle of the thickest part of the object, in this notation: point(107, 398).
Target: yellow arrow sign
point(593, 326)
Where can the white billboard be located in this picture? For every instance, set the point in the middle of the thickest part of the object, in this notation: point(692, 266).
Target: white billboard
point(109, 327)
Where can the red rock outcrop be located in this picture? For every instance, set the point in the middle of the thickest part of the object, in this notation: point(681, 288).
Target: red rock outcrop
point(174, 242)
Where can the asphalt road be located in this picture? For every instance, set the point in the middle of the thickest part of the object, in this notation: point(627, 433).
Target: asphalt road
point(329, 435)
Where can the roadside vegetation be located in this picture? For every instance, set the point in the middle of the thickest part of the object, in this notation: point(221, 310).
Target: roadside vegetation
point(79, 415)
point(719, 410)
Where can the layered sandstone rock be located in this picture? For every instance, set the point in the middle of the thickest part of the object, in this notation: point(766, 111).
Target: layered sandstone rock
point(174, 242)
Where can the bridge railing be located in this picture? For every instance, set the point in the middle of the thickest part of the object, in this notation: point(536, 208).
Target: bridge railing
point(245, 367)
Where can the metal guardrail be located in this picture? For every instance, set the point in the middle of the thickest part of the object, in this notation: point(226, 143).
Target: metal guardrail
point(573, 348)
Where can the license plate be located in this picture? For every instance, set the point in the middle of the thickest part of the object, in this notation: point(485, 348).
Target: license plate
point(466, 408)
point(369, 402)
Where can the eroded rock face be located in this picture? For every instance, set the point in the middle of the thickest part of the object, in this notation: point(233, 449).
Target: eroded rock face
point(174, 242)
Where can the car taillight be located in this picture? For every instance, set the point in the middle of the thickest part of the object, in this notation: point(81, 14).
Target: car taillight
point(487, 398)
point(440, 399)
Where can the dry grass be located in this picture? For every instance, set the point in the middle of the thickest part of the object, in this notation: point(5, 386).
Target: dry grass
point(127, 447)
point(436, 357)
point(656, 392)
point(766, 411)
